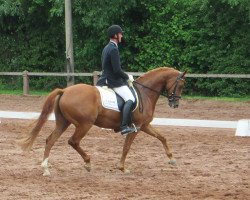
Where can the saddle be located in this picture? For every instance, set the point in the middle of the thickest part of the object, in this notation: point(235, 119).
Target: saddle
point(113, 101)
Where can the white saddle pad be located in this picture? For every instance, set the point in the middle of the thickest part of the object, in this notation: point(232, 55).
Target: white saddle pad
point(108, 98)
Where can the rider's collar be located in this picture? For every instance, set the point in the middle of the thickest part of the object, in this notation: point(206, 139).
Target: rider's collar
point(112, 41)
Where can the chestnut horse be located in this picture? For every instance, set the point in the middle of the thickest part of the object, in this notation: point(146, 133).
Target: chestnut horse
point(81, 105)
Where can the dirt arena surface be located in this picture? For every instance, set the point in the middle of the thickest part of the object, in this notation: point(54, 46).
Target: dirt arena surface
point(211, 163)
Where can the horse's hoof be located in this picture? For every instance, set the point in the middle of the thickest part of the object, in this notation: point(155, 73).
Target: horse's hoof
point(46, 173)
point(126, 171)
point(172, 162)
point(87, 166)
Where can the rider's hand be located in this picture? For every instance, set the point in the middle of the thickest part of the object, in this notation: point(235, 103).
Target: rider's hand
point(130, 77)
point(130, 80)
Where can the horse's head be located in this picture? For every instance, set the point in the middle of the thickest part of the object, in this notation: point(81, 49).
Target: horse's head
point(163, 79)
point(174, 88)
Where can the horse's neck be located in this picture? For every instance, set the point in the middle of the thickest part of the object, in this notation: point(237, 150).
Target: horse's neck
point(152, 87)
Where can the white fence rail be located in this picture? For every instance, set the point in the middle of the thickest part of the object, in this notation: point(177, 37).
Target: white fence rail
point(242, 126)
point(156, 121)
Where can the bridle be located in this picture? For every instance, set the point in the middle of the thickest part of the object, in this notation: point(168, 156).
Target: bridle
point(172, 97)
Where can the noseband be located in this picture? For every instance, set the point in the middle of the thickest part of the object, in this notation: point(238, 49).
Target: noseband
point(172, 97)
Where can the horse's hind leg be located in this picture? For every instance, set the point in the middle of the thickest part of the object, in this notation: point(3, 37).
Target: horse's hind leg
point(61, 126)
point(153, 132)
point(74, 141)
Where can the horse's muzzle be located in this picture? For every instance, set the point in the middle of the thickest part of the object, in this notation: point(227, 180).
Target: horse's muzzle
point(173, 101)
point(173, 104)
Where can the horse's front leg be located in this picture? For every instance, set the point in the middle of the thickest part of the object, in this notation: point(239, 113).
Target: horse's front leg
point(127, 144)
point(153, 132)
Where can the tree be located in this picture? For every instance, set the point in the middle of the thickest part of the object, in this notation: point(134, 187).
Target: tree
point(210, 36)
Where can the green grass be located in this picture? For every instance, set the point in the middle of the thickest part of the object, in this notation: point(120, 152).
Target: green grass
point(230, 99)
point(20, 92)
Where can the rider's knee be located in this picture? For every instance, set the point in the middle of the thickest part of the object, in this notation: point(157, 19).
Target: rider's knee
point(132, 98)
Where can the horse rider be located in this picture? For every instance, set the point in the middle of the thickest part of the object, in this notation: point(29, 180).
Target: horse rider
point(114, 77)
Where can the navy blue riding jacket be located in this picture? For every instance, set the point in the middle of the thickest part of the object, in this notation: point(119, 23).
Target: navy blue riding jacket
point(112, 73)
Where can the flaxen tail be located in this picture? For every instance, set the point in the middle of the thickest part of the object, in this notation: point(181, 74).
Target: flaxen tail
point(27, 142)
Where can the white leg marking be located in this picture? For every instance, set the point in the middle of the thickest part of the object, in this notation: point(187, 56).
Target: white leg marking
point(87, 166)
point(45, 167)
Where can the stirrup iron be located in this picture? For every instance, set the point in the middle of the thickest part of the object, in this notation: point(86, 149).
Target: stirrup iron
point(134, 127)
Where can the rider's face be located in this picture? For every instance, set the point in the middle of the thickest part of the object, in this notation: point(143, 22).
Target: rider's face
point(119, 37)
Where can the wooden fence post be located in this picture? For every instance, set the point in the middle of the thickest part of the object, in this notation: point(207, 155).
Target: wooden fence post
point(25, 83)
point(95, 77)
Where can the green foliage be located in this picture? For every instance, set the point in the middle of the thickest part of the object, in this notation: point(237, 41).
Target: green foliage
point(210, 36)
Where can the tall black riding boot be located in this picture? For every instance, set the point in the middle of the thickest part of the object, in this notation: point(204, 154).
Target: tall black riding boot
point(126, 118)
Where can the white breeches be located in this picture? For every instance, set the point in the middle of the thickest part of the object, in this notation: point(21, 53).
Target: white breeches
point(125, 93)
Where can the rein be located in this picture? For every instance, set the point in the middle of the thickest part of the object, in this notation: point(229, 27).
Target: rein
point(161, 93)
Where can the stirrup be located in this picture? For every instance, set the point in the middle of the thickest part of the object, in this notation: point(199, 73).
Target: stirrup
point(136, 130)
point(128, 130)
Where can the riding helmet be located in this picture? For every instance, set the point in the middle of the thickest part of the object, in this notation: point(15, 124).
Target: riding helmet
point(114, 29)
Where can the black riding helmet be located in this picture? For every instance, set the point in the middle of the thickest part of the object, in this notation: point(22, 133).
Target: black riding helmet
point(114, 29)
